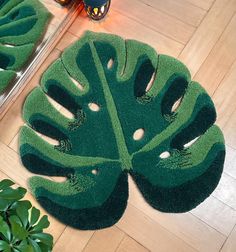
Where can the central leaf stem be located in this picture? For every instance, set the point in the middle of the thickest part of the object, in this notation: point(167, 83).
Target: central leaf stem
point(125, 157)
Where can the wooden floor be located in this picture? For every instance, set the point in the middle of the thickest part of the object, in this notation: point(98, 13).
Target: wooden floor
point(201, 33)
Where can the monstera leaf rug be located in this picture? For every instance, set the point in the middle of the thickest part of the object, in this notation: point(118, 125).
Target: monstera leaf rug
point(134, 112)
point(22, 24)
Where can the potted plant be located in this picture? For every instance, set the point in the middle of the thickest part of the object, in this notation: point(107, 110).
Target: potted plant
point(21, 228)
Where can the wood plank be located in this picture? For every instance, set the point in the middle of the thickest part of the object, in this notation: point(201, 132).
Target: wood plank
point(207, 34)
point(135, 31)
point(220, 59)
point(66, 41)
point(230, 244)
point(204, 4)
point(150, 233)
point(14, 144)
point(216, 214)
point(185, 226)
point(226, 189)
point(161, 22)
point(3, 176)
point(72, 240)
point(230, 132)
point(224, 98)
point(180, 9)
point(130, 245)
point(11, 122)
point(230, 162)
point(12, 167)
point(105, 240)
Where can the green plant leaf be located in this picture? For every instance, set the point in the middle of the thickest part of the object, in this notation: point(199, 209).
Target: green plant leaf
point(27, 248)
point(9, 197)
point(42, 224)
point(19, 204)
point(13, 194)
point(15, 250)
point(4, 204)
point(115, 89)
point(18, 231)
point(7, 250)
point(35, 213)
point(35, 245)
point(16, 219)
point(5, 229)
point(5, 184)
point(45, 248)
point(23, 213)
point(24, 247)
point(4, 246)
point(44, 238)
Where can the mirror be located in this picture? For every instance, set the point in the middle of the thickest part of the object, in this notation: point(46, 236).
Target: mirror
point(61, 20)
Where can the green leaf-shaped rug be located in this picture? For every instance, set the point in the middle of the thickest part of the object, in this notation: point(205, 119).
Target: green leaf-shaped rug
point(116, 89)
point(22, 24)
